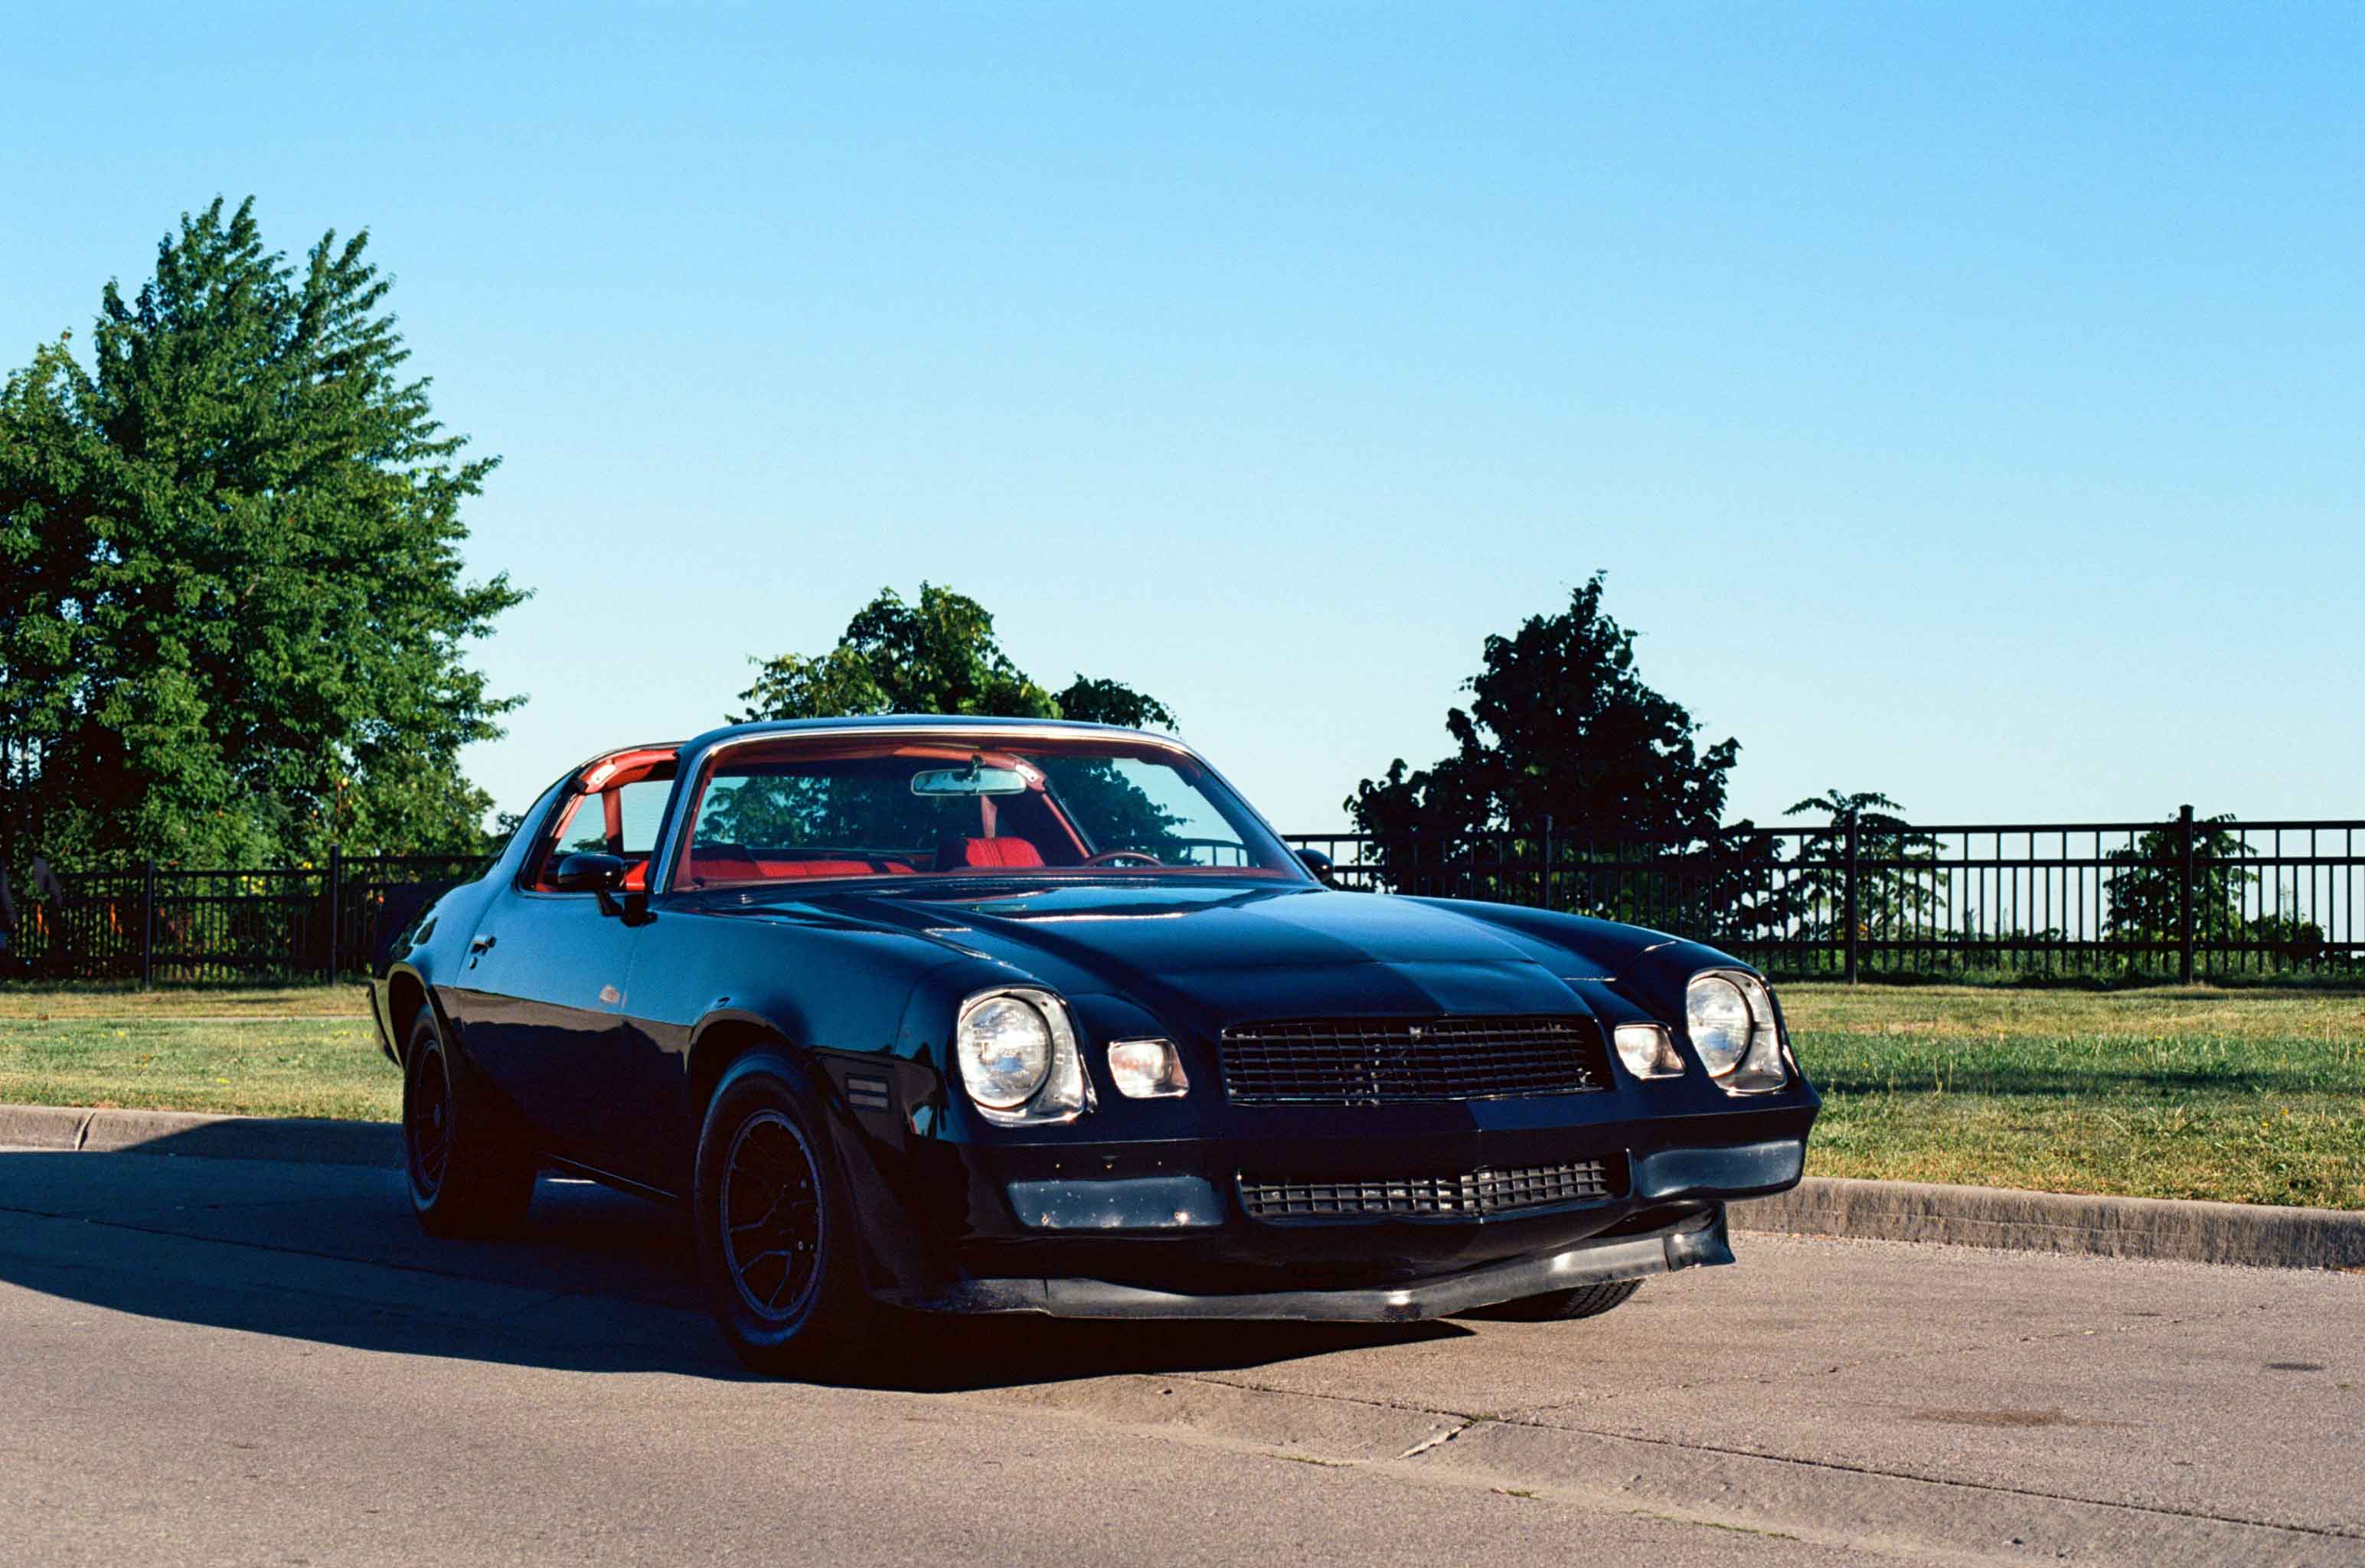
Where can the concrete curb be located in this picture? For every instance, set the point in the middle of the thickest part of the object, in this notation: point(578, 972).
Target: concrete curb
point(2183, 1230)
point(298, 1140)
point(2255, 1236)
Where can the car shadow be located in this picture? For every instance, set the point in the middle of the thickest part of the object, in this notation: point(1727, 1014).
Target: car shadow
point(594, 1281)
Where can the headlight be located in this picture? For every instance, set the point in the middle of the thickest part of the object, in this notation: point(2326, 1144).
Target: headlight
point(1718, 1016)
point(1005, 1052)
point(1018, 1057)
point(1730, 1017)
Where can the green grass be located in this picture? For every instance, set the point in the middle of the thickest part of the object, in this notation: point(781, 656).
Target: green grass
point(169, 1050)
point(2251, 1096)
point(116, 998)
point(2247, 1096)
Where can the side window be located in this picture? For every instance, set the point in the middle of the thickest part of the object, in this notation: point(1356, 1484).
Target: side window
point(619, 820)
point(586, 828)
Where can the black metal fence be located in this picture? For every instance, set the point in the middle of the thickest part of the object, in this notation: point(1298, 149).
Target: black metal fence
point(158, 923)
point(2185, 898)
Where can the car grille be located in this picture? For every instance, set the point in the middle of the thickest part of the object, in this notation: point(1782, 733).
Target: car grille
point(1479, 1194)
point(1380, 1061)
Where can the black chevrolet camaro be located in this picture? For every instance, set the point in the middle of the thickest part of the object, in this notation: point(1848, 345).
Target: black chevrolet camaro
point(995, 1015)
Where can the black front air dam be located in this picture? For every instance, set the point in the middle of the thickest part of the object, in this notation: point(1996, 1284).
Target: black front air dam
point(1698, 1241)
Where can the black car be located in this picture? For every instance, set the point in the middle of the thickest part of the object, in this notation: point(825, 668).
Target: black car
point(992, 1015)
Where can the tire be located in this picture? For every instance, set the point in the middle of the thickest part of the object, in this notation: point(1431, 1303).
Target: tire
point(469, 1172)
point(1561, 1306)
point(776, 1253)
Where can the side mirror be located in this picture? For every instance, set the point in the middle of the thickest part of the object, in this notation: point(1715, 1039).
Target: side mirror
point(1319, 863)
point(588, 872)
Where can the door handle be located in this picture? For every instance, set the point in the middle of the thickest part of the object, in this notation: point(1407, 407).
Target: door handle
point(483, 943)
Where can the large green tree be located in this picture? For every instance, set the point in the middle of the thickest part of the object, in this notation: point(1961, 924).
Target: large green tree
point(940, 655)
point(232, 612)
point(1560, 724)
point(1565, 754)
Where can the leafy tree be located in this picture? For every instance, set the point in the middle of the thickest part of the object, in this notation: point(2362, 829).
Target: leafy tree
point(2144, 892)
point(940, 655)
point(2145, 899)
point(1560, 724)
point(1111, 702)
point(1893, 895)
point(1562, 728)
point(231, 614)
point(937, 657)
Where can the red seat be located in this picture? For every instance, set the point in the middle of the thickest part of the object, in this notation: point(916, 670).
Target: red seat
point(1006, 852)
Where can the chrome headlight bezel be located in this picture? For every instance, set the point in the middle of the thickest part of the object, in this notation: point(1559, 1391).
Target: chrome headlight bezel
point(1755, 1063)
point(1064, 1092)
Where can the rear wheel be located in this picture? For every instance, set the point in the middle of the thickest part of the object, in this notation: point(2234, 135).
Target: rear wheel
point(469, 1174)
point(776, 1247)
point(1555, 1307)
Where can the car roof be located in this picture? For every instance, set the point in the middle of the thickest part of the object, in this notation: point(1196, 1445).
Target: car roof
point(697, 743)
point(911, 722)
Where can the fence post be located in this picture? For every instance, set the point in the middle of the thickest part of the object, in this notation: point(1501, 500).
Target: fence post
point(1848, 901)
point(336, 910)
point(1545, 903)
point(2184, 900)
point(147, 925)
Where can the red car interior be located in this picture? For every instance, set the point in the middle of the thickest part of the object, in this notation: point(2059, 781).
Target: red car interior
point(602, 782)
point(955, 853)
point(722, 863)
point(1026, 830)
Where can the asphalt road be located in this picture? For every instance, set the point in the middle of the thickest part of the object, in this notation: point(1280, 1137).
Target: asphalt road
point(212, 1362)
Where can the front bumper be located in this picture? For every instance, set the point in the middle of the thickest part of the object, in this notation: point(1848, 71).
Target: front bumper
point(1352, 1214)
point(1695, 1242)
point(1193, 1202)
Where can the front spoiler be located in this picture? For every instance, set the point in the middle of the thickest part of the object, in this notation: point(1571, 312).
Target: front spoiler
point(1594, 1262)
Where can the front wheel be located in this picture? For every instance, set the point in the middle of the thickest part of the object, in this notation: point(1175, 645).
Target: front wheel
point(1559, 1306)
point(776, 1246)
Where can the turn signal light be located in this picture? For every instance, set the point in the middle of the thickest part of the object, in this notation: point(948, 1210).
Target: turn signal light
point(1648, 1051)
point(1146, 1070)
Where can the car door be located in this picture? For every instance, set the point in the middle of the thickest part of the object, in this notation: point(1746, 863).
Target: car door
point(550, 973)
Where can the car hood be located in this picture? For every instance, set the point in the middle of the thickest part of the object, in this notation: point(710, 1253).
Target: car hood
point(1216, 953)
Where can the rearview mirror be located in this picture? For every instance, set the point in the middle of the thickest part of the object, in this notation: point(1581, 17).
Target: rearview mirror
point(1319, 863)
point(975, 779)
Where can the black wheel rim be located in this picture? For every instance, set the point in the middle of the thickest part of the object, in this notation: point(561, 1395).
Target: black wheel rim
point(429, 1122)
point(771, 1216)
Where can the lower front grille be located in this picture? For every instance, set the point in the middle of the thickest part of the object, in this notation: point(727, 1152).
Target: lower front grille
point(1476, 1194)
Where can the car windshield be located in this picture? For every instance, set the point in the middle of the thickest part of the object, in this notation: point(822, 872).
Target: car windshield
point(908, 805)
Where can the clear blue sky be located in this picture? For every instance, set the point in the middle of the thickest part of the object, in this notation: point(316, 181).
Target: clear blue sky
point(1970, 405)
